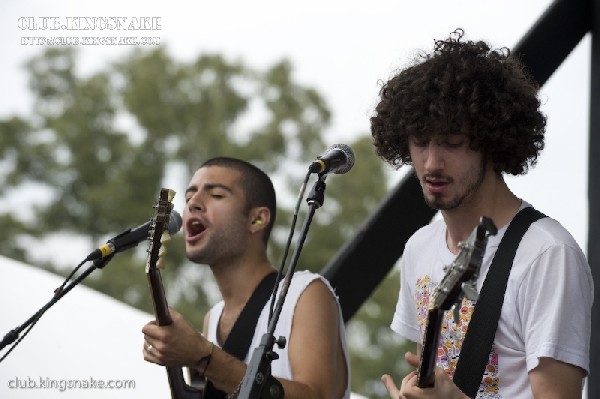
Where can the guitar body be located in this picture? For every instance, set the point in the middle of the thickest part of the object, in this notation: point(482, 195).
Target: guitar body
point(458, 282)
point(179, 387)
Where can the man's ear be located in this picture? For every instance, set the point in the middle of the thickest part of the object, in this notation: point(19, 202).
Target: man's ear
point(260, 217)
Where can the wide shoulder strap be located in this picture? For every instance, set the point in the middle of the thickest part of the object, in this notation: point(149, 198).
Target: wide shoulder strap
point(238, 342)
point(477, 345)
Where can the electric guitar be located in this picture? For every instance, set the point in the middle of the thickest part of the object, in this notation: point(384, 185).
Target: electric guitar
point(159, 237)
point(458, 282)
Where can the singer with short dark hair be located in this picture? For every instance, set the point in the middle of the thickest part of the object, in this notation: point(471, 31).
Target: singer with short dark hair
point(229, 213)
point(463, 115)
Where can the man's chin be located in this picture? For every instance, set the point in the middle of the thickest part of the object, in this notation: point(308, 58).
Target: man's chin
point(434, 202)
point(195, 256)
point(439, 205)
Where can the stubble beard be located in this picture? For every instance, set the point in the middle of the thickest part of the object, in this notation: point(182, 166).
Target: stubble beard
point(472, 181)
point(224, 243)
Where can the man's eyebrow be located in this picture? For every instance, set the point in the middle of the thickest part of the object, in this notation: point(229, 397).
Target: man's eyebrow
point(191, 189)
point(212, 186)
point(208, 187)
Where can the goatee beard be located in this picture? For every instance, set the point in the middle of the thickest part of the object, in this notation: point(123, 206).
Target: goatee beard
point(460, 200)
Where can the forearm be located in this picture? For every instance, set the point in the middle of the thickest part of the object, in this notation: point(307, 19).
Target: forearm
point(226, 373)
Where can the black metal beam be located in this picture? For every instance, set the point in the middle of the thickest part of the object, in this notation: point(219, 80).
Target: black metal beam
point(553, 36)
point(364, 261)
point(593, 249)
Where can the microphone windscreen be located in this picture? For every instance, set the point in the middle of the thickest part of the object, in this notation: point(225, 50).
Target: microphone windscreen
point(175, 222)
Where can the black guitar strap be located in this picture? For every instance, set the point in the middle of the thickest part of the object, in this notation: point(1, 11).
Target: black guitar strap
point(477, 345)
point(238, 342)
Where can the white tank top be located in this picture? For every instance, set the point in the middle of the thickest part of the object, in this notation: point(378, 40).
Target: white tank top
point(281, 367)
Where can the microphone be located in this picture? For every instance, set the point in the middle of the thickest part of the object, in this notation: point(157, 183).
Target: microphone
point(132, 237)
point(339, 159)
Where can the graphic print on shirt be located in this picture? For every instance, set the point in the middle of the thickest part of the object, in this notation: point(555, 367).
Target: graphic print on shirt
point(451, 338)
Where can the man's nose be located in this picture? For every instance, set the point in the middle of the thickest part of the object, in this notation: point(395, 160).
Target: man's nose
point(434, 157)
point(195, 203)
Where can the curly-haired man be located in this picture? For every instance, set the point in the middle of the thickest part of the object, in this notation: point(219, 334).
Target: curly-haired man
point(463, 116)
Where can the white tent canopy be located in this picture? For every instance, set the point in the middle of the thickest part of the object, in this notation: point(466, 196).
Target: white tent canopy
point(86, 339)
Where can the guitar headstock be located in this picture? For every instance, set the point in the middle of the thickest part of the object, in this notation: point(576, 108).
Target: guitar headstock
point(461, 275)
point(159, 234)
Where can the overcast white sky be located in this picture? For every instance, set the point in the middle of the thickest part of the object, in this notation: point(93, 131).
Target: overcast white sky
point(343, 49)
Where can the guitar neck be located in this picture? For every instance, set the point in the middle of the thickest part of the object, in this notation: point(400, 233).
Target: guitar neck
point(179, 388)
point(159, 299)
point(426, 371)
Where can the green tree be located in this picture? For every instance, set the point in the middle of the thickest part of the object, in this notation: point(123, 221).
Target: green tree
point(98, 148)
point(376, 349)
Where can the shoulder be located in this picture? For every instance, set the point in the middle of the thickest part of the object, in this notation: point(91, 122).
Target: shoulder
point(424, 239)
point(425, 235)
point(316, 306)
point(548, 234)
point(309, 301)
point(548, 248)
point(309, 283)
point(310, 290)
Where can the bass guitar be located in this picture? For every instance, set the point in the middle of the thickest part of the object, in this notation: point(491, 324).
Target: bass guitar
point(159, 237)
point(459, 281)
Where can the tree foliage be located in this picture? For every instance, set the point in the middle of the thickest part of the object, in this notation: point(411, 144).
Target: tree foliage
point(96, 150)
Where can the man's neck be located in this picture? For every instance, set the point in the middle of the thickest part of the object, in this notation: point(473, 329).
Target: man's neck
point(237, 280)
point(495, 201)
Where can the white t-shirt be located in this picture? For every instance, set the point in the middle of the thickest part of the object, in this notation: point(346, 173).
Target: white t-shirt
point(546, 310)
point(281, 367)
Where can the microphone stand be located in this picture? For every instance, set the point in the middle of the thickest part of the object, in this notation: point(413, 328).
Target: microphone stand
point(61, 291)
point(258, 382)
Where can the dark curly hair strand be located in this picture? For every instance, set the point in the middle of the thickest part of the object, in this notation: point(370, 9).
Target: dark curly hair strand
point(463, 87)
